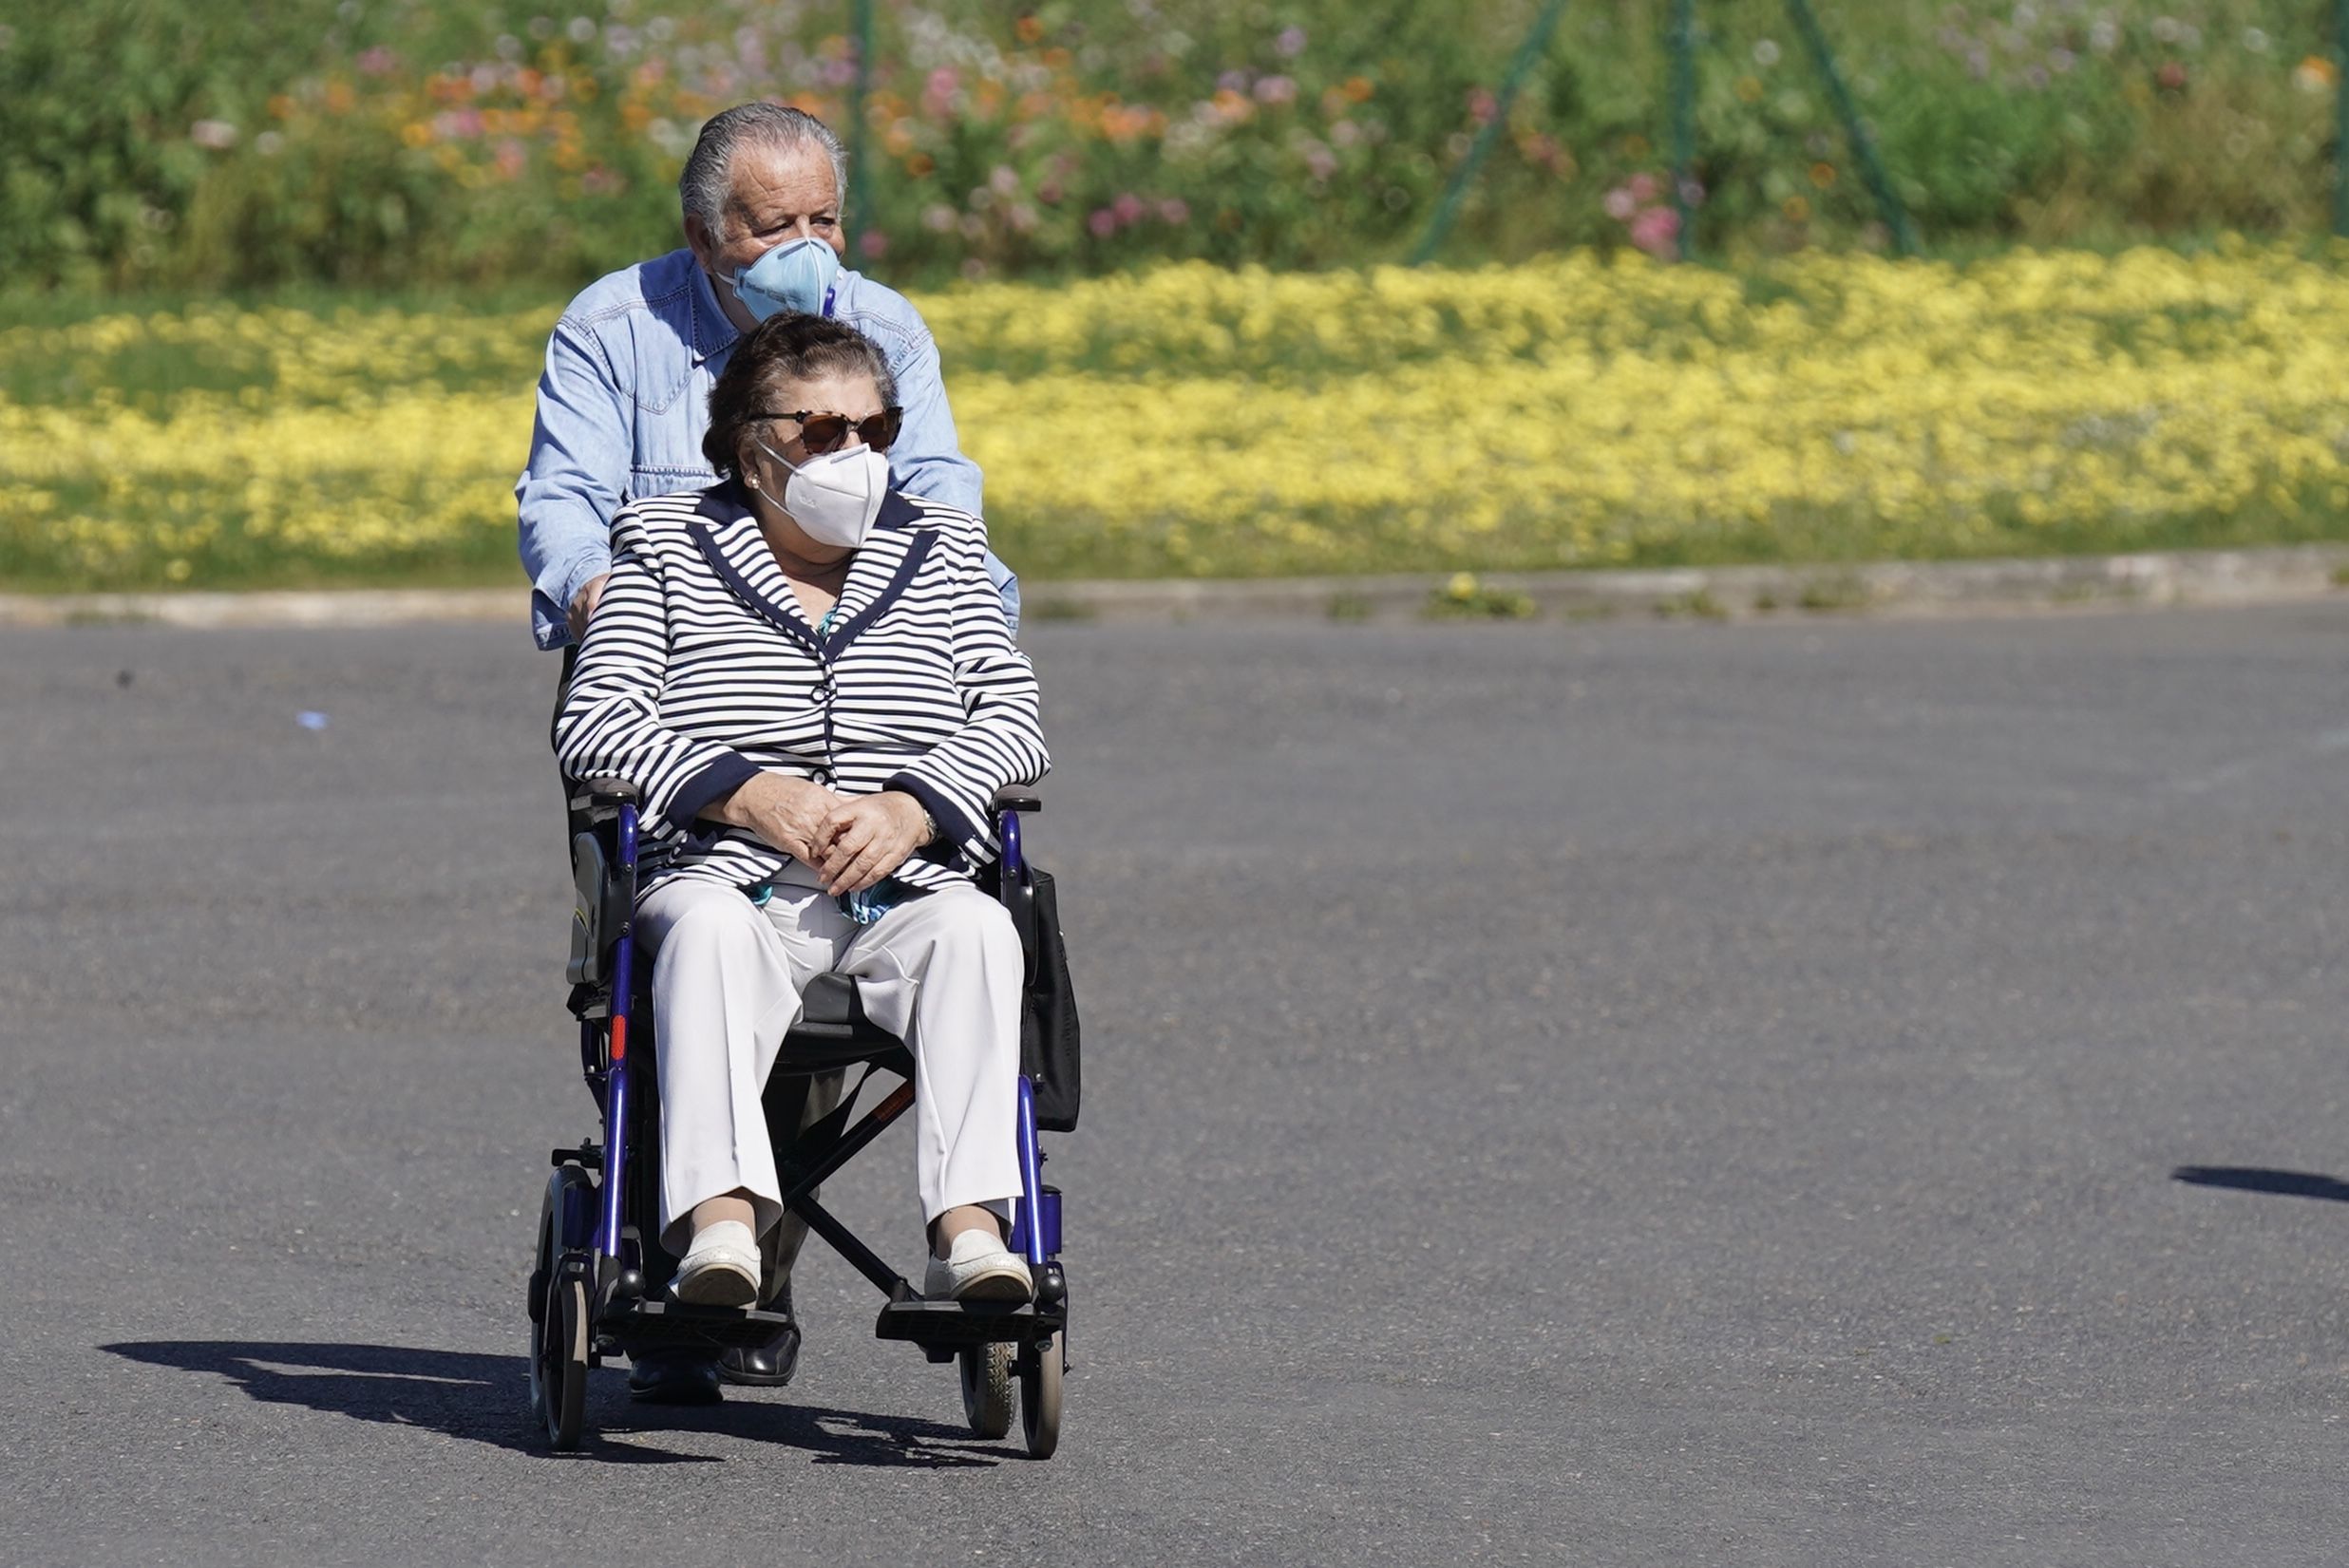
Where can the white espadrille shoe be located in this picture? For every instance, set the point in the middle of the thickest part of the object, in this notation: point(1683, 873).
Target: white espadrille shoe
point(721, 1268)
point(978, 1267)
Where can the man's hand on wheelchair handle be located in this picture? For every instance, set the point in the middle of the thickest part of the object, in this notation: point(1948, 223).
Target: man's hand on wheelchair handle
point(791, 814)
point(584, 605)
point(868, 838)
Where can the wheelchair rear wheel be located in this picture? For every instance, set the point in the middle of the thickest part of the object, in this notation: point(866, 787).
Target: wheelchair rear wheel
point(559, 1338)
point(558, 1365)
point(987, 1388)
point(1039, 1397)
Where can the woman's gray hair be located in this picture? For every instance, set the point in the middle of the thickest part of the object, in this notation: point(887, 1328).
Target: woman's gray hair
point(708, 181)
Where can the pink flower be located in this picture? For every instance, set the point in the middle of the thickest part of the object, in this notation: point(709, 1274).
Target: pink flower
point(513, 158)
point(1174, 210)
point(378, 61)
point(872, 244)
point(1291, 42)
point(1276, 90)
point(1128, 208)
point(1482, 105)
point(1656, 231)
point(1642, 188)
point(1620, 204)
point(1103, 223)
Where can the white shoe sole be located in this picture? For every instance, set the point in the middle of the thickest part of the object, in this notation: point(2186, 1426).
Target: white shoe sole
point(995, 1285)
point(996, 1281)
point(724, 1281)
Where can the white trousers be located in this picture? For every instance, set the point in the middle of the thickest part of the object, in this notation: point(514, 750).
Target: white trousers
point(942, 971)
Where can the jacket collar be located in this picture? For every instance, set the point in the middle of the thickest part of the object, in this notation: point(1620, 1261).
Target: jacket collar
point(726, 531)
point(714, 334)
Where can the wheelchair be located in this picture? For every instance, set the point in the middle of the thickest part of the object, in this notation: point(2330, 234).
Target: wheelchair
point(599, 1277)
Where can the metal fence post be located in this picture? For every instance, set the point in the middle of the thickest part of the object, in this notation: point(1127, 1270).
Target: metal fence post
point(1684, 43)
point(1447, 209)
point(860, 176)
point(1862, 145)
point(2341, 118)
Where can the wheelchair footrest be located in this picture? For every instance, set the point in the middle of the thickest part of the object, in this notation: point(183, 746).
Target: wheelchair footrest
point(644, 1325)
point(958, 1323)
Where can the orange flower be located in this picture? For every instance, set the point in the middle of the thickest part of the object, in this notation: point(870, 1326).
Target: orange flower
point(1359, 89)
point(1029, 28)
point(1823, 175)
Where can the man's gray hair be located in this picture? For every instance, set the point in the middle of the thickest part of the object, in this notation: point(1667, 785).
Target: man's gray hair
point(707, 182)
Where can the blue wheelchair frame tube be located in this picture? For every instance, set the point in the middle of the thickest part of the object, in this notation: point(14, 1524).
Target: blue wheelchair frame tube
point(1015, 866)
point(1031, 1175)
point(617, 1097)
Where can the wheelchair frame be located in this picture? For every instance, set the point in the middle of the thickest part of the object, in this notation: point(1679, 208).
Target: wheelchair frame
point(599, 1268)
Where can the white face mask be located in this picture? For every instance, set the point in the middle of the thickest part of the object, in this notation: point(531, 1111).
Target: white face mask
point(833, 496)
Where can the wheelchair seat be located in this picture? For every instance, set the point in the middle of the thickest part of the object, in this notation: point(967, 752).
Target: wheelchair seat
point(833, 1031)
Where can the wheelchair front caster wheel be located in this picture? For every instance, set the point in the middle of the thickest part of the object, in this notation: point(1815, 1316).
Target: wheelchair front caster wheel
point(987, 1388)
point(1039, 1398)
point(558, 1365)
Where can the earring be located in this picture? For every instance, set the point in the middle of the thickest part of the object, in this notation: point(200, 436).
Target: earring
point(750, 479)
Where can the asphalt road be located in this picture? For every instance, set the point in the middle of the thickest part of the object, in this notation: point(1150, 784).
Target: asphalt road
point(1603, 1094)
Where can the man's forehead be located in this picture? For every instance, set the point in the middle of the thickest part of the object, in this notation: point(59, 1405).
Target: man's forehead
point(762, 176)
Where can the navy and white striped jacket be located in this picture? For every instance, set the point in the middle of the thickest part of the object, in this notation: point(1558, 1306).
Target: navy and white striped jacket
point(700, 669)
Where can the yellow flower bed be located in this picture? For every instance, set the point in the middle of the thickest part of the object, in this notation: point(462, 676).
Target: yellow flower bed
point(1578, 412)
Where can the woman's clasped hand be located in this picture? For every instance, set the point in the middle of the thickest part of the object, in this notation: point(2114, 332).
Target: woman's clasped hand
point(852, 842)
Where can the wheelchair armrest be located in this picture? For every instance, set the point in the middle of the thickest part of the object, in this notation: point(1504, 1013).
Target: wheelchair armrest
point(600, 798)
point(1018, 798)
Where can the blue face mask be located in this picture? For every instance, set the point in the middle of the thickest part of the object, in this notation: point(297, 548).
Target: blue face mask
point(797, 275)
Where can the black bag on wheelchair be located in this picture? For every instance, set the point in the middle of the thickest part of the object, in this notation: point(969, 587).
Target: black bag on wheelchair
point(1047, 1026)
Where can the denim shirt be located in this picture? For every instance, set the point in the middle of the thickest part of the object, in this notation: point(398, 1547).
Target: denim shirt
point(625, 401)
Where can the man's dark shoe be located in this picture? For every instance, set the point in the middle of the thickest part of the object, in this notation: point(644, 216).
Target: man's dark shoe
point(681, 1376)
point(770, 1365)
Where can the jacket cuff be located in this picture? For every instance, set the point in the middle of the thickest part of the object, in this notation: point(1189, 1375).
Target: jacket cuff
point(724, 774)
point(560, 582)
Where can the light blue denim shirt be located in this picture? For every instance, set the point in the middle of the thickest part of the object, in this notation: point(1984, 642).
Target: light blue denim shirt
point(625, 401)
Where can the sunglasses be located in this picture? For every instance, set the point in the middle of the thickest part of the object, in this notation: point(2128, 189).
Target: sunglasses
point(828, 432)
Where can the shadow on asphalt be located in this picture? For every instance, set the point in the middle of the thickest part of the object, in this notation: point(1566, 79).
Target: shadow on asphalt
point(485, 1399)
point(2255, 1178)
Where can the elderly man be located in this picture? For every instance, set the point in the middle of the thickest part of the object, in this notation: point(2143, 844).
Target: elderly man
point(625, 398)
point(622, 409)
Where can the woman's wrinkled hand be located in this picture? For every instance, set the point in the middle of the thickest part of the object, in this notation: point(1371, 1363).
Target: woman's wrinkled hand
point(870, 837)
point(790, 813)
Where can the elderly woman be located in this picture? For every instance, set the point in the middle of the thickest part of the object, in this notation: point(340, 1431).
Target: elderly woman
point(808, 679)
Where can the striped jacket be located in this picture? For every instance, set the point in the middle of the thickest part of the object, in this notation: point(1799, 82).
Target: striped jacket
point(700, 669)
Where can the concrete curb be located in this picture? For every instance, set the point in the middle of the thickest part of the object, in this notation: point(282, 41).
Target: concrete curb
point(1890, 588)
